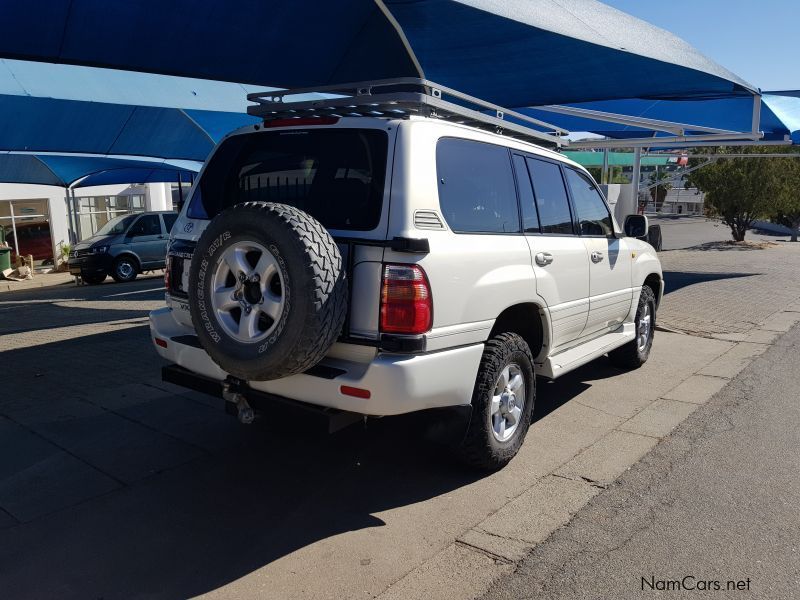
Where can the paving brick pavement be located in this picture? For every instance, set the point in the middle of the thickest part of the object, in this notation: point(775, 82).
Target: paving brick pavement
point(83, 397)
point(724, 289)
point(86, 423)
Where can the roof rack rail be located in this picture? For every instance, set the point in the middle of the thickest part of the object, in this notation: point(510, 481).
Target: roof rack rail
point(402, 98)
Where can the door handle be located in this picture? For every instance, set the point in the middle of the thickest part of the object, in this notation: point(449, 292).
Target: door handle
point(543, 259)
point(597, 256)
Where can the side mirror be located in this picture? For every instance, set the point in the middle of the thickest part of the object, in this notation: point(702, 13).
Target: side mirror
point(636, 226)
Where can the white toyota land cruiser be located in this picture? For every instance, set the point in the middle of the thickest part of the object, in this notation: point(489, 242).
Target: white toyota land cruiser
point(380, 265)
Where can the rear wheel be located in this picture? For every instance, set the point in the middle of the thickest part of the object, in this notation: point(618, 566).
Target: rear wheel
point(502, 403)
point(125, 269)
point(636, 352)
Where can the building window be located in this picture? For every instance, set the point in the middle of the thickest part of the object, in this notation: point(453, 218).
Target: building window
point(96, 211)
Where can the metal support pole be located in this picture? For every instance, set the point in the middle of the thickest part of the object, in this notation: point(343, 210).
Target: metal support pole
point(637, 164)
point(756, 121)
point(14, 228)
point(180, 191)
point(78, 232)
point(604, 172)
point(70, 216)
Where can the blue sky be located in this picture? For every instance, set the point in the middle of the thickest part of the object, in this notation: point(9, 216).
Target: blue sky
point(757, 40)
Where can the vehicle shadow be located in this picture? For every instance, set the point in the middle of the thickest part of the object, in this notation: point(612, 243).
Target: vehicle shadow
point(269, 491)
point(247, 497)
point(552, 394)
point(676, 280)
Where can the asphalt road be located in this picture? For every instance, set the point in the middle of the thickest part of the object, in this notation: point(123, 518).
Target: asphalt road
point(718, 501)
point(685, 232)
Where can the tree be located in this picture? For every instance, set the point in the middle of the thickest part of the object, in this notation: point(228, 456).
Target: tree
point(740, 190)
point(788, 202)
point(660, 181)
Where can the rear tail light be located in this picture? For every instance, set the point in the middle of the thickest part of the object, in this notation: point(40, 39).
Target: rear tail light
point(406, 301)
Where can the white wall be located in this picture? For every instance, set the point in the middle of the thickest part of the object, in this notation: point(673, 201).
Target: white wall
point(620, 200)
point(159, 196)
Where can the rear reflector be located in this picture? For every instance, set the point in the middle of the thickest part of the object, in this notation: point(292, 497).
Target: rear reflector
point(301, 122)
point(354, 391)
point(160, 342)
point(406, 302)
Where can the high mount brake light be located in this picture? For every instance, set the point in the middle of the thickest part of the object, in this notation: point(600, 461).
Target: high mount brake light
point(301, 122)
point(406, 300)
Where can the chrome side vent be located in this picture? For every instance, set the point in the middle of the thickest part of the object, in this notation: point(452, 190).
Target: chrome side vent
point(428, 219)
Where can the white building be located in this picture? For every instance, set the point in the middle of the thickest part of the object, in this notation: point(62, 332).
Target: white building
point(45, 215)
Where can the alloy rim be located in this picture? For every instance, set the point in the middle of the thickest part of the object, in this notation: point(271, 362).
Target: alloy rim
point(508, 402)
point(644, 328)
point(247, 292)
point(125, 269)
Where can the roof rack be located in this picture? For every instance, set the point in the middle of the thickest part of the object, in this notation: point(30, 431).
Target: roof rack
point(402, 98)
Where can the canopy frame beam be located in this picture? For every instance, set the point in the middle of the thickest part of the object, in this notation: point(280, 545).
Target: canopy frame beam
point(680, 136)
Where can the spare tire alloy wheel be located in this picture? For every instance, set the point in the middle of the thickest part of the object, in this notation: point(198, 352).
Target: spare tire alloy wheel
point(268, 295)
point(248, 300)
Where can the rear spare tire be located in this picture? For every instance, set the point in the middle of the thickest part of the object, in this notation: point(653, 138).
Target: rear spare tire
point(267, 292)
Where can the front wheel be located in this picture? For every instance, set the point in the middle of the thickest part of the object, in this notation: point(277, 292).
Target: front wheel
point(93, 278)
point(636, 352)
point(502, 403)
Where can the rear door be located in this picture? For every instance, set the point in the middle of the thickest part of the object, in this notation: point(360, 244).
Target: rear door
point(560, 259)
point(610, 292)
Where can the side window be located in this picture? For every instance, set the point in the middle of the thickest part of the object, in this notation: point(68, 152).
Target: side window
point(590, 207)
point(551, 197)
point(530, 218)
point(146, 225)
point(476, 187)
point(169, 220)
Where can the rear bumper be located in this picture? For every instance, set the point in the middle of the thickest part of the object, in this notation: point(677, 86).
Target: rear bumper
point(397, 383)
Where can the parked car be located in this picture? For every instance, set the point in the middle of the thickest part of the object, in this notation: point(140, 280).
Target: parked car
point(381, 266)
point(124, 247)
point(34, 239)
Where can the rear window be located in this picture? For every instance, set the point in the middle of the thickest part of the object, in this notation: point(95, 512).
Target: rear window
point(335, 175)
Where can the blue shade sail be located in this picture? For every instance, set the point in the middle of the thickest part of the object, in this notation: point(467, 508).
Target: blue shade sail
point(66, 170)
point(512, 52)
point(29, 124)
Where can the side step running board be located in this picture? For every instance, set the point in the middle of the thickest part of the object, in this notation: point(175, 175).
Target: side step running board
point(566, 361)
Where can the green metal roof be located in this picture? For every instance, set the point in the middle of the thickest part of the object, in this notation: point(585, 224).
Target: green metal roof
point(623, 159)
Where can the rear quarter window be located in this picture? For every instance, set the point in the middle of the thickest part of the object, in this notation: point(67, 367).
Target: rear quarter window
point(335, 175)
point(476, 187)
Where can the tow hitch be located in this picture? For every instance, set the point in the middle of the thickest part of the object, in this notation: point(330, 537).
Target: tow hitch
point(245, 412)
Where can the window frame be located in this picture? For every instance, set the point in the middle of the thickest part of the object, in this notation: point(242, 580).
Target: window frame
point(513, 177)
point(575, 217)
